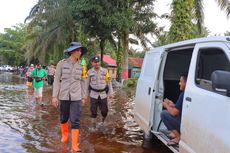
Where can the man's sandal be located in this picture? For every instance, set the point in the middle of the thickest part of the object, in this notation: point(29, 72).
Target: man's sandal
point(172, 143)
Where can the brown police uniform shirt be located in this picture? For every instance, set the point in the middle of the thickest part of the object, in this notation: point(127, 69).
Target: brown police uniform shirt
point(97, 80)
point(68, 82)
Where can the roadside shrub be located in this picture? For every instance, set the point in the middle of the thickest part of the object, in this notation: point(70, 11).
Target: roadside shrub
point(130, 82)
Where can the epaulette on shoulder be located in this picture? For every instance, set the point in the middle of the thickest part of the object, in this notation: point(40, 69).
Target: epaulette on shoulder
point(90, 70)
point(63, 60)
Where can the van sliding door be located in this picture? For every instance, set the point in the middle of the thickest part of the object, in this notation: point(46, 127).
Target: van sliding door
point(146, 89)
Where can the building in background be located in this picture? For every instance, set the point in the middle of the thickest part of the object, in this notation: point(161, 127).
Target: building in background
point(134, 67)
point(111, 65)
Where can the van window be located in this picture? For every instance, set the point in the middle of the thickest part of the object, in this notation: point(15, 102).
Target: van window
point(177, 61)
point(149, 68)
point(209, 60)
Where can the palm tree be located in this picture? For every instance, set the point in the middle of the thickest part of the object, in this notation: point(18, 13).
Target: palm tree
point(51, 26)
point(181, 20)
point(225, 5)
point(113, 21)
point(183, 12)
point(199, 13)
point(137, 18)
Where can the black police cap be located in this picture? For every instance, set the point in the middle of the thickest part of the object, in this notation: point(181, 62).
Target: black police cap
point(95, 59)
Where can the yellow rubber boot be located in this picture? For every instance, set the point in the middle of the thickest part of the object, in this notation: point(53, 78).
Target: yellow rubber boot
point(75, 138)
point(64, 132)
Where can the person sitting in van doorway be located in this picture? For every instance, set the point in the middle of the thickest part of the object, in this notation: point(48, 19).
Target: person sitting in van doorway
point(99, 88)
point(171, 116)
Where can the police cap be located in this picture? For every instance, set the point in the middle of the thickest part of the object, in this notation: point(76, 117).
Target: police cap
point(95, 59)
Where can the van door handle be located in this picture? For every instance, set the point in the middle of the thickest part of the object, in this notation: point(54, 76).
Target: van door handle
point(188, 99)
point(149, 91)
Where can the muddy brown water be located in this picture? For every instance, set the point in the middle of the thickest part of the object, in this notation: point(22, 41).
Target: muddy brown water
point(26, 127)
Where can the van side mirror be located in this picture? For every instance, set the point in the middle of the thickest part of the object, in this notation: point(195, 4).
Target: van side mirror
point(221, 81)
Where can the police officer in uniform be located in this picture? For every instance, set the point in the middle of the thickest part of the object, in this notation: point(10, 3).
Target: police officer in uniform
point(69, 91)
point(99, 88)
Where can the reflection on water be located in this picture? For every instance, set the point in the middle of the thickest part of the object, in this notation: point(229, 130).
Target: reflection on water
point(28, 127)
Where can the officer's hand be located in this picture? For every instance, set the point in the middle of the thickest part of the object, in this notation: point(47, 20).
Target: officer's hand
point(83, 101)
point(110, 97)
point(55, 102)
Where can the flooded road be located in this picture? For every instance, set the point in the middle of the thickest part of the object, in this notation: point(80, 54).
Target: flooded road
point(26, 127)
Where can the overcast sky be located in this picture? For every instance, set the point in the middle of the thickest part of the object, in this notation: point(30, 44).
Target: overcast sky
point(214, 19)
point(15, 11)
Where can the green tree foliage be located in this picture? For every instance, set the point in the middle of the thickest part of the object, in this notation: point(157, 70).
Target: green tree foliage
point(11, 42)
point(227, 33)
point(85, 20)
point(95, 21)
point(181, 20)
point(132, 17)
point(102, 25)
point(134, 53)
point(113, 21)
point(224, 5)
point(162, 39)
point(199, 13)
point(51, 28)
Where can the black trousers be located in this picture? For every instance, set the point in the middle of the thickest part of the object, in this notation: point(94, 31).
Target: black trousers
point(50, 79)
point(29, 79)
point(71, 110)
point(101, 103)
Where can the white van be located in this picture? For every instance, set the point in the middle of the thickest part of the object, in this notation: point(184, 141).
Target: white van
point(205, 125)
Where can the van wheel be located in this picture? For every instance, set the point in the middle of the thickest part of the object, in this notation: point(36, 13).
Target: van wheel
point(148, 140)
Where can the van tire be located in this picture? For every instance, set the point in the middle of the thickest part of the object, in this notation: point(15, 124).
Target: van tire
point(148, 140)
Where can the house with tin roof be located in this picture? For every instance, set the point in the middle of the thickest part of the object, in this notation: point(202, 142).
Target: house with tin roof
point(111, 65)
point(134, 67)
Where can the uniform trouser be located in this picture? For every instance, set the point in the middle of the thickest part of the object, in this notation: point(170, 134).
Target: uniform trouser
point(70, 110)
point(171, 122)
point(101, 103)
point(50, 79)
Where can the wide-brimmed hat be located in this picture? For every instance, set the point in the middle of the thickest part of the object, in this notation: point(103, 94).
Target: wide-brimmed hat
point(75, 45)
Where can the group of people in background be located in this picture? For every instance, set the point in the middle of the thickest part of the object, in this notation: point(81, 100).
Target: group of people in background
point(50, 73)
point(36, 75)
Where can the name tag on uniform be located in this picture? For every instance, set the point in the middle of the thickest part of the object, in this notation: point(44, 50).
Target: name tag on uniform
point(66, 68)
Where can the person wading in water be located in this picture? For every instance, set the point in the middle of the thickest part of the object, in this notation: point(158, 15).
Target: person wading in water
point(70, 90)
point(99, 88)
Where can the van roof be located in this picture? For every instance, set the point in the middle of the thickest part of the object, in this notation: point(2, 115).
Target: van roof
point(192, 42)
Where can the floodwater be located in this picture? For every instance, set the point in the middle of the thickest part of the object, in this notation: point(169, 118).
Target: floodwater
point(26, 127)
